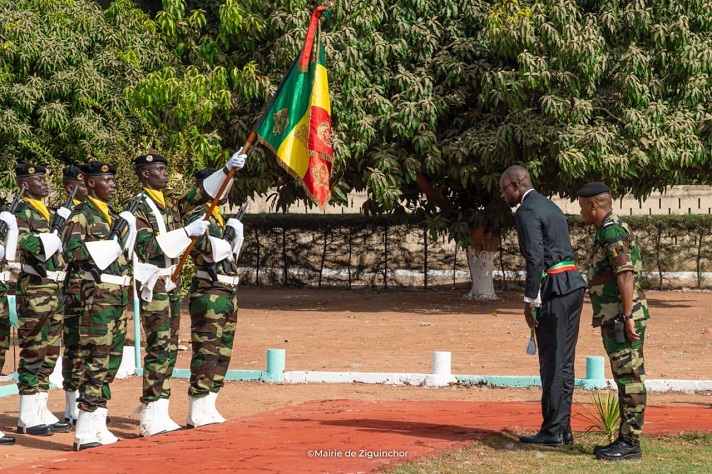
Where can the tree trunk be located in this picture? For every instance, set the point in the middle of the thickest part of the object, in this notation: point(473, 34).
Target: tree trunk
point(480, 258)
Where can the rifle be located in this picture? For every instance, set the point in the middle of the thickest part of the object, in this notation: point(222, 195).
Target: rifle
point(229, 233)
point(11, 210)
point(59, 222)
point(120, 224)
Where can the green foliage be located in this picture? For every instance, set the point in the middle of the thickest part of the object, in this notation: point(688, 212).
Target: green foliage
point(602, 415)
point(63, 67)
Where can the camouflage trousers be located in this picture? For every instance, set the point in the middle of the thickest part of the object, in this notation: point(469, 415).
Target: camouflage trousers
point(102, 331)
point(160, 319)
point(72, 361)
point(4, 328)
point(40, 309)
point(628, 369)
point(213, 320)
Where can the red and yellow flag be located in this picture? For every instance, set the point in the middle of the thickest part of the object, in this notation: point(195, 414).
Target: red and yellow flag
point(296, 125)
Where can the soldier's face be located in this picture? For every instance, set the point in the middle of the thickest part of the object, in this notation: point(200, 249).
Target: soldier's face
point(154, 176)
point(81, 188)
point(35, 186)
point(103, 186)
point(587, 210)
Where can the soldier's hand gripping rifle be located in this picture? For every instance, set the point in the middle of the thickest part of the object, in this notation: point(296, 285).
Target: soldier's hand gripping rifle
point(120, 224)
point(11, 210)
point(59, 221)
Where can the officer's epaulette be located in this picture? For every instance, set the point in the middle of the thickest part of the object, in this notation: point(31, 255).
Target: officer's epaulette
point(608, 223)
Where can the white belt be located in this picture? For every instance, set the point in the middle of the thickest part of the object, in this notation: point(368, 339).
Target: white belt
point(166, 272)
point(5, 276)
point(113, 279)
point(54, 276)
point(228, 280)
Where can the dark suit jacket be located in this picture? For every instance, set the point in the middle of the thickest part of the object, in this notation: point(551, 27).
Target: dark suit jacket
point(544, 241)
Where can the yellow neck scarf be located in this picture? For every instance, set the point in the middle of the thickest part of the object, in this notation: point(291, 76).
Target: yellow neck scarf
point(39, 205)
point(156, 195)
point(76, 202)
point(103, 208)
point(216, 215)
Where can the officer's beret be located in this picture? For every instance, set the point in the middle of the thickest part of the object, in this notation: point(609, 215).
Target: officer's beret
point(26, 170)
point(204, 173)
point(97, 168)
point(72, 172)
point(593, 189)
point(151, 159)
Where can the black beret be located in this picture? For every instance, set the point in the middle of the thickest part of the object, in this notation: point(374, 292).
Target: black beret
point(204, 173)
point(26, 170)
point(151, 159)
point(97, 168)
point(593, 189)
point(72, 172)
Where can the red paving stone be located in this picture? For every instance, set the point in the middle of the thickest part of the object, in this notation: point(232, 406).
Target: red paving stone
point(335, 436)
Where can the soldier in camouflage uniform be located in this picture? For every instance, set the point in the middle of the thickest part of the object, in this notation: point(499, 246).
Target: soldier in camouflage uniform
point(159, 243)
point(213, 311)
point(72, 362)
point(39, 303)
point(90, 244)
point(7, 253)
point(621, 311)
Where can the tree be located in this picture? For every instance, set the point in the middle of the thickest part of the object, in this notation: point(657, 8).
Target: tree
point(63, 67)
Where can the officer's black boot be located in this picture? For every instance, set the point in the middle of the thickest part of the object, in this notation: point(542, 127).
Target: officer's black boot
point(625, 447)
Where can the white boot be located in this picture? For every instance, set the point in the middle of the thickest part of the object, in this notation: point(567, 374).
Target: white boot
point(155, 418)
point(30, 420)
point(198, 412)
point(86, 433)
point(71, 411)
point(48, 417)
point(212, 409)
point(105, 436)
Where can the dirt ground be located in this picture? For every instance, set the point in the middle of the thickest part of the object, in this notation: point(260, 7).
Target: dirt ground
point(393, 331)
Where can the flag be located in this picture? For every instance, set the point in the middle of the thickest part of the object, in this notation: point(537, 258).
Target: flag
point(296, 125)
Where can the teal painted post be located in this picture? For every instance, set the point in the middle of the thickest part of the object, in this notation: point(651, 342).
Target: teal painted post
point(137, 330)
point(595, 376)
point(275, 365)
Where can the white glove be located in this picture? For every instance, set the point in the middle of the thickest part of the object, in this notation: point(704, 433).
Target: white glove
point(237, 225)
point(60, 249)
point(2, 252)
point(129, 218)
point(8, 219)
point(64, 212)
point(197, 228)
point(236, 161)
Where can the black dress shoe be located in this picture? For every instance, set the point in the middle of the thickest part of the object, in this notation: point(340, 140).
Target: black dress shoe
point(7, 440)
point(542, 439)
point(621, 449)
point(60, 427)
point(568, 437)
point(38, 430)
point(73, 421)
point(81, 447)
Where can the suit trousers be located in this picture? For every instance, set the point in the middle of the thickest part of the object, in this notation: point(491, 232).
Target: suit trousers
point(556, 336)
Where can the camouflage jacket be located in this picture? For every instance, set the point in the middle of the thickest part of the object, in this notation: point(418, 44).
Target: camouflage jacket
point(88, 224)
point(615, 250)
point(31, 223)
point(203, 248)
point(177, 207)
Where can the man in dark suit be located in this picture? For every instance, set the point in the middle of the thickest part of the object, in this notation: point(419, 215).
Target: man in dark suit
point(552, 278)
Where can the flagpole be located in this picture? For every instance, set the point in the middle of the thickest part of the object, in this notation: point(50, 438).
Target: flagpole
point(212, 206)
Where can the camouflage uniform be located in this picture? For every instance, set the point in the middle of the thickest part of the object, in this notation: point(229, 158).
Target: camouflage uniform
point(616, 250)
point(102, 326)
point(160, 317)
point(213, 315)
point(4, 323)
point(39, 305)
point(72, 361)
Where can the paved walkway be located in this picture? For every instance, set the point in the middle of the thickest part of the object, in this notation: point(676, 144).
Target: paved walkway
point(334, 436)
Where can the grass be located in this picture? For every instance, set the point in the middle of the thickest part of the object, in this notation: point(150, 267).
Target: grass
point(602, 414)
point(687, 453)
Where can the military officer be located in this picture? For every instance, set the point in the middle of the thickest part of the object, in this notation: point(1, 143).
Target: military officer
point(39, 302)
point(621, 311)
point(213, 310)
point(72, 363)
point(161, 239)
